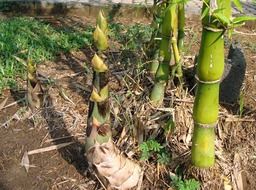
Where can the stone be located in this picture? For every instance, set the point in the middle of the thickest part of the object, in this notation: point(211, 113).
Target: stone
point(233, 76)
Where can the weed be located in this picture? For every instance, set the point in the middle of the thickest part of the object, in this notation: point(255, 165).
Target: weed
point(187, 184)
point(241, 104)
point(191, 43)
point(169, 127)
point(133, 37)
point(153, 148)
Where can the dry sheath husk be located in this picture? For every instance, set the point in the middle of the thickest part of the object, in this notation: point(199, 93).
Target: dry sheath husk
point(121, 172)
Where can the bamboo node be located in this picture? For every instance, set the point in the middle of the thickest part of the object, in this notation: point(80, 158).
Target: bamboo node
point(165, 36)
point(214, 29)
point(208, 125)
point(207, 82)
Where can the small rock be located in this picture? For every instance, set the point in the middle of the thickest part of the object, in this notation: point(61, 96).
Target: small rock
point(233, 76)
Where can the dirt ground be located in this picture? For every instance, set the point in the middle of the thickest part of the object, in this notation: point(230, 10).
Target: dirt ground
point(63, 119)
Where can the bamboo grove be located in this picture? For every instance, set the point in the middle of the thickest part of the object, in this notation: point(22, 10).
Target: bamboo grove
point(167, 64)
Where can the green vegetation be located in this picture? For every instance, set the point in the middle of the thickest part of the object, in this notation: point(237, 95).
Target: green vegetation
point(188, 184)
point(152, 148)
point(132, 37)
point(167, 56)
point(30, 38)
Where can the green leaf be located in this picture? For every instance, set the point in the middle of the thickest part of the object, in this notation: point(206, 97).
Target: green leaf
point(222, 18)
point(219, 10)
point(205, 12)
point(238, 5)
point(230, 32)
point(163, 157)
point(184, 184)
point(145, 155)
point(154, 146)
point(144, 147)
point(169, 127)
point(242, 19)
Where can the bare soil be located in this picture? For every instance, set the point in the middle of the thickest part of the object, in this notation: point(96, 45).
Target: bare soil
point(62, 120)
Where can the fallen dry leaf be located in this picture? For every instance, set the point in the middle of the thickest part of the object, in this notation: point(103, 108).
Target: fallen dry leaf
point(50, 148)
point(238, 179)
point(2, 104)
point(25, 161)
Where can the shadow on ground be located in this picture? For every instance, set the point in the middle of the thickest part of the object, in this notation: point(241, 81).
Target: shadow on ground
point(73, 154)
point(19, 95)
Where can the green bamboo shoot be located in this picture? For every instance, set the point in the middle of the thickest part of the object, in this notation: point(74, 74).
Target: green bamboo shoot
point(114, 168)
point(34, 89)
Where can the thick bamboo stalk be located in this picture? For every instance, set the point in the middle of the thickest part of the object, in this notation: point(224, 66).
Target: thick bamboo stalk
point(209, 72)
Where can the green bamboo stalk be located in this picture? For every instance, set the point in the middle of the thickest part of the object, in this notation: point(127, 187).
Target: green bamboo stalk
point(162, 74)
point(181, 26)
point(153, 47)
point(177, 39)
point(177, 69)
point(153, 66)
point(209, 72)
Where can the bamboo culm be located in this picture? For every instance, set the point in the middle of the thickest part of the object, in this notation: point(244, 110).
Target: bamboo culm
point(209, 72)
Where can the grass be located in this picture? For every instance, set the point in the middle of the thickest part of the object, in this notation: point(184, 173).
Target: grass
point(187, 184)
point(30, 38)
point(26, 37)
point(152, 148)
point(133, 37)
